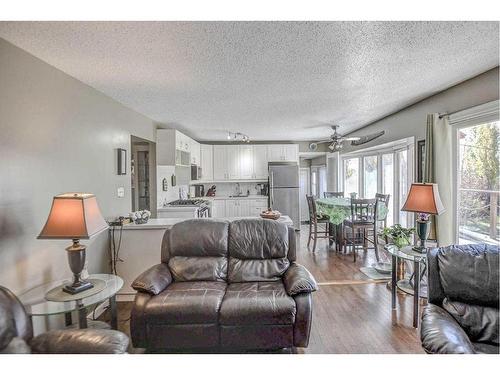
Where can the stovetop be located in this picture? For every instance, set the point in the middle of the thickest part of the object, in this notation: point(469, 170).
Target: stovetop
point(188, 202)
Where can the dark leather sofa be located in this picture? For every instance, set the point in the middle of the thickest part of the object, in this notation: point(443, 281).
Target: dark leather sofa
point(224, 284)
point(16, 334)
point(462, 314)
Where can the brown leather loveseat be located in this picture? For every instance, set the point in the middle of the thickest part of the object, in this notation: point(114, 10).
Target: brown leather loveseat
point(224, 284)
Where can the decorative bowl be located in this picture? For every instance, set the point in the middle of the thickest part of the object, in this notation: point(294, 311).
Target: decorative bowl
point(141, 221)
point(273, 215)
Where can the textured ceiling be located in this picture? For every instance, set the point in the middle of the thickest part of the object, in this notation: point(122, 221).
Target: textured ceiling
point(270, 80)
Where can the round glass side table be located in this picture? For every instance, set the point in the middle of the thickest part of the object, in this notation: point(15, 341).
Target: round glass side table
point(413, 284)
point(36, 305)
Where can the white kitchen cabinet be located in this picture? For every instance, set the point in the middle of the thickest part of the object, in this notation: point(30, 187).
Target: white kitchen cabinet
point(291, 152)
point(218, 208)
point(232, 208)
point(233, 161)
point(207, 162)
point(283, 152)
point(220, 163)
point(260, 162)
point(275, 152)
point(243, 207)
point(256, 206)
point(246, 158)
point(195, 151)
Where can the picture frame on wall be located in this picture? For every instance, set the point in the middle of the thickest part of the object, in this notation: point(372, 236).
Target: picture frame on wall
point(420, 160)
point(122, 161)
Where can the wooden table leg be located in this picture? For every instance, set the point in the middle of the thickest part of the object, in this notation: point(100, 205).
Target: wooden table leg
point(416, 294)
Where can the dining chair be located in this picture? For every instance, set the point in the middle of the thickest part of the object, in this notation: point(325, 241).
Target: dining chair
point(333, 194)
point(314, 220)
point(362, 218)
point(380, 220)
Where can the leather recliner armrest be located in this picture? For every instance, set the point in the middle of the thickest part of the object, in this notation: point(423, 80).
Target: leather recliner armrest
point(441, 334)
point(80, 341)
point(154, 280)
point(298, 279)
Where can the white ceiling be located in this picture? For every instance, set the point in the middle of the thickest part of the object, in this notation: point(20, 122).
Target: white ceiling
point(270, 80)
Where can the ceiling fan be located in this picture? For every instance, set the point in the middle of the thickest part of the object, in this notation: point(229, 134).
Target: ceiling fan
point(336, 140)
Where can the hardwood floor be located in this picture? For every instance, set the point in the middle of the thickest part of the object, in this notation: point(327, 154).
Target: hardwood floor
point(351, 314)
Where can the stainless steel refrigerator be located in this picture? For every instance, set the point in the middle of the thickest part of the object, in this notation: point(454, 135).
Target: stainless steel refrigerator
point(284, 189)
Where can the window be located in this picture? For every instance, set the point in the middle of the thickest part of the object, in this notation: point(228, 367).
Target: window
point(386, 169)
point(403, 185)
point(322, 181)
point(314, 182)
point(370, 176)
point(351, 176)
point(478, 183)
point(388, 183)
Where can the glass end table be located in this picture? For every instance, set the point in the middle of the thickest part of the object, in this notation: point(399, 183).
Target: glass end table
point(413, 285)
point(36, 305)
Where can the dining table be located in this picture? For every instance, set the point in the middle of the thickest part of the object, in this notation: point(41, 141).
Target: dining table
point(338, 209)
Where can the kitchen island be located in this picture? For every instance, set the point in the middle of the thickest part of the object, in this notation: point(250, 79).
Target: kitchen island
point(140, 249)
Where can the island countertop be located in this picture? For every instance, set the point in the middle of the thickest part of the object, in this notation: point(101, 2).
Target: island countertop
point(168, 223)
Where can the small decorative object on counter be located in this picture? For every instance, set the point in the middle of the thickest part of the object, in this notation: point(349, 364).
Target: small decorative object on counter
point(140, 217)
point(270, 214)
point(211, 191)
point(400, 236)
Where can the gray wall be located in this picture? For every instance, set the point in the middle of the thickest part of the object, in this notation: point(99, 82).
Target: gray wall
point(412, 120)
point(56, 135)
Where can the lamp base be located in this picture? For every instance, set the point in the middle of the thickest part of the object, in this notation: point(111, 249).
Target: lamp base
point(420, 249)
point(78, 287)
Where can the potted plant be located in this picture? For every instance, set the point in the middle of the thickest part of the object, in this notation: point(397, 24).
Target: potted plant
point(400, 236)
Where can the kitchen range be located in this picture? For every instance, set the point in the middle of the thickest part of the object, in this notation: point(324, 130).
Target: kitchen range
point(185, 208)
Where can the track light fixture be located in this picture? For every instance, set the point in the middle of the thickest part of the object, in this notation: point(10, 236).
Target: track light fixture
point(238, 137)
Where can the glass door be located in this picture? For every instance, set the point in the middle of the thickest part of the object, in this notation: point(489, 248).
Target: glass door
point(370, 180)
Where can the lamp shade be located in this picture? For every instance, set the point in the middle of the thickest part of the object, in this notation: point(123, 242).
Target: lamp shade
point(424, 198)
point(74, 216)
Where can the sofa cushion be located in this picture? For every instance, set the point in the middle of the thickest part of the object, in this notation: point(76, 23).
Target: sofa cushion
point(199, 237)
point(258, 250)
point(198, 268)
point(196, 250)
point(186, 303)
point(470, 273)
point(257, 303)
point(479, 322)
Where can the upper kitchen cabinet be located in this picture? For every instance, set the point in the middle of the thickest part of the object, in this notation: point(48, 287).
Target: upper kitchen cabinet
point(220, 163)
point(283, 152)
point(175, 148)
point(246, 162)
point(233, 162)
point(260, 159)
point(207, 162)
point(195, 150)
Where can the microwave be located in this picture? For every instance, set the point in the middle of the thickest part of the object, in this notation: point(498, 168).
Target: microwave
point(195, 172)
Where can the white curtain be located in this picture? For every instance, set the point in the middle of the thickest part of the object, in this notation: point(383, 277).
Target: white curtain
point(442, 173)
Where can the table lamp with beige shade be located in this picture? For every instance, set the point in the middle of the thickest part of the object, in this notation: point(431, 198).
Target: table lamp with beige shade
point(74, 216)
point(423, 198)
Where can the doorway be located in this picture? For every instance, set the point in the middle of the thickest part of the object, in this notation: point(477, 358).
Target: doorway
point(304, 189)
point(143, 174)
